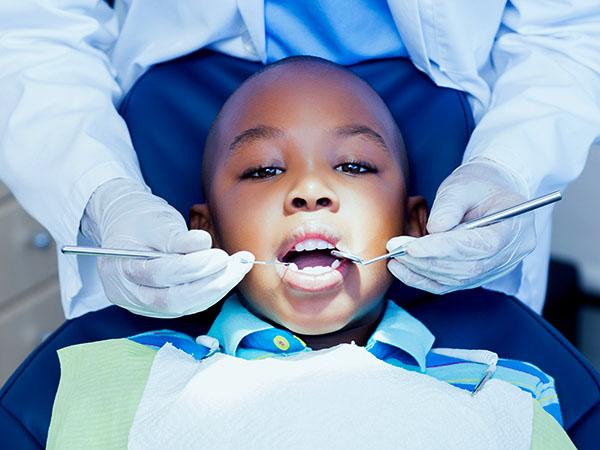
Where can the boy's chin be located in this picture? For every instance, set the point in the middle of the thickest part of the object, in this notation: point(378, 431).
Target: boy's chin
point(314, 329)
point(316, 323)
point(340, 316)
point(313, 315)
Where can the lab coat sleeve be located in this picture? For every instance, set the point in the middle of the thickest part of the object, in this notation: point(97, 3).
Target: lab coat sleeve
point(545, 106)
point(60, 133)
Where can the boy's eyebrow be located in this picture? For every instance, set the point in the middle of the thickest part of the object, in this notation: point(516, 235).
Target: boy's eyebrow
point(254, 134)
point(267, 132)
point(363, 131)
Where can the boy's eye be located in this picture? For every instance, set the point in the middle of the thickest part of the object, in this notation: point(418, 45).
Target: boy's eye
point(355, 167)
point(262, 172)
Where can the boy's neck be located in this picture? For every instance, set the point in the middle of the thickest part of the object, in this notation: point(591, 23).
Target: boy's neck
point(359, 334)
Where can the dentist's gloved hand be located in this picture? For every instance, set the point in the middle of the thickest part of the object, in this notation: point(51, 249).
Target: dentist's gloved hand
point(123, 214)
point(444, 260)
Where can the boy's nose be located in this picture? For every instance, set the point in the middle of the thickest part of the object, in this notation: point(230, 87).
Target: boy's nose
point(311, 196)
point(299, 203)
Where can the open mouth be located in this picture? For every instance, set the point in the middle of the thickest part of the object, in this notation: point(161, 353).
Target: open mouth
point(312, 256)
point(311, 267)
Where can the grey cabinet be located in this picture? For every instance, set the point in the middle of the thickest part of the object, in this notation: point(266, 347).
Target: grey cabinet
point(30, 306)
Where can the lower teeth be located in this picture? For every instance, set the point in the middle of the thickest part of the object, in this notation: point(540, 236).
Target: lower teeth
point(316, 269)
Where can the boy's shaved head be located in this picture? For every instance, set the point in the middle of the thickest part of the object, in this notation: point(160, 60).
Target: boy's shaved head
point(290, 72)
point(304, 158)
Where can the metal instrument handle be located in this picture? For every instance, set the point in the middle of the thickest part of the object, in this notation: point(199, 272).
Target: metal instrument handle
point(113, 252)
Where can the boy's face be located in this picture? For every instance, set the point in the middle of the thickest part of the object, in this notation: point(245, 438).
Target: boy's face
point(306, 163)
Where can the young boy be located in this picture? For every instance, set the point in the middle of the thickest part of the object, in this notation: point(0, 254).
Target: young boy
point(302, 159)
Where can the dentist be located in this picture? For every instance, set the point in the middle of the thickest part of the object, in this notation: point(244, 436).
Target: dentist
point(531, 71)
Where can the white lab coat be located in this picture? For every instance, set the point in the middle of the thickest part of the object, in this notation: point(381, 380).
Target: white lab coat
point(530, 68)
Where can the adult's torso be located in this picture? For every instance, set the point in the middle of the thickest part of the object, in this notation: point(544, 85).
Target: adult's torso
point(345, 31)
point(449, 41)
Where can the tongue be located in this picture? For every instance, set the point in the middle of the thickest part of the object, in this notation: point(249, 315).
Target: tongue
point(312, 259)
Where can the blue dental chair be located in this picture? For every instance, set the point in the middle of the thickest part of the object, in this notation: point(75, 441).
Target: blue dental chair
point(168, 113)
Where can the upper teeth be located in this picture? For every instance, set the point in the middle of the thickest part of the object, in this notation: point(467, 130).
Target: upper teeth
point(312, 244)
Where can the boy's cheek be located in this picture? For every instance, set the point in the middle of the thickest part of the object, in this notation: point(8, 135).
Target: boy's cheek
point(237, 232)
point(262, 297)
point(246, 224)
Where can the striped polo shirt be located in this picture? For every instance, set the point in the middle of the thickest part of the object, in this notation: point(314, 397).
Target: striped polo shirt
point(102, 383)
point(400, 340)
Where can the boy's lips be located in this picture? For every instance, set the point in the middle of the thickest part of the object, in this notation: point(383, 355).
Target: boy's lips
point(309, 231)
point(309, 246)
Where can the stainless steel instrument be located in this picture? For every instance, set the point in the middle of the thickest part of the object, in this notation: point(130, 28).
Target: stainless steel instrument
point(490, 219)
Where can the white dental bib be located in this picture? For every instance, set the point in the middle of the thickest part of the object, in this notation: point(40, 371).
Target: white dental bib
point(343, 397)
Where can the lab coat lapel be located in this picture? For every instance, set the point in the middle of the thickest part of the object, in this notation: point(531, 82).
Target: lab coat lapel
point(408, 18)
point(253, 15)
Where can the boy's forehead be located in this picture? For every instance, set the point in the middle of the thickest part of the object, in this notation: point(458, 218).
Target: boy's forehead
point(303, 100)
point(289, 96)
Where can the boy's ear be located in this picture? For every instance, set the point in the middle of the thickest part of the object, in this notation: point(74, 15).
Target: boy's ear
point(416, 216)
point(200, 219)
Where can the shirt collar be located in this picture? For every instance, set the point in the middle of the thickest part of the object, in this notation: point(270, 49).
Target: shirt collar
point(404, 332)
point(397, 328)
point(234, 323)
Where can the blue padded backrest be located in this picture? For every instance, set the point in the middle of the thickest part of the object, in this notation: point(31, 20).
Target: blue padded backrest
point(170, 109)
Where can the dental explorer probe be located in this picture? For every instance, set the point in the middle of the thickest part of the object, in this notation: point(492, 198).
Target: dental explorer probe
point(476, 223)
point(484, 221)
point(136, 254)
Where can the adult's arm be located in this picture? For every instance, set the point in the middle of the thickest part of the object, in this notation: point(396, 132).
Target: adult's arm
point(533, 138)
point(66, 151)
point(545, 108)
point(60, 134)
